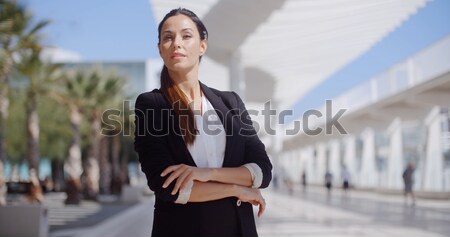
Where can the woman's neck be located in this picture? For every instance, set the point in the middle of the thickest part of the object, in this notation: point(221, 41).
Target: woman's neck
point(188, 83)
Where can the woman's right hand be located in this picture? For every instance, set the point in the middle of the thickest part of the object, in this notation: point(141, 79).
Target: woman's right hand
point(184, 174)
point(253, 196)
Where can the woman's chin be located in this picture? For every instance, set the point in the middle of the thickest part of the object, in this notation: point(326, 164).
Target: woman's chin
point(180, 67)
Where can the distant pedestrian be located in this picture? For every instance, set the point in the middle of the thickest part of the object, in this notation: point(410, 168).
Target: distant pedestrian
point(303, 180)
point(345, 175)
point(328, 180)
point(408, 180)
point(287, 180)
point(289, 184)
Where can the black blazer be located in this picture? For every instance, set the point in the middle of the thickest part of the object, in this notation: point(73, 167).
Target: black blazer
point(159, 145)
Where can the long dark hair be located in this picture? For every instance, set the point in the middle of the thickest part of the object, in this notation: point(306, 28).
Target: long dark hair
point(172, 92)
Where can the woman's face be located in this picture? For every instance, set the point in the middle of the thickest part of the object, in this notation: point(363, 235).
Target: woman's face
point(180, 45)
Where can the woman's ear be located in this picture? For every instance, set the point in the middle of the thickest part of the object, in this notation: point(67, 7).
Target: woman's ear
point(203, 47)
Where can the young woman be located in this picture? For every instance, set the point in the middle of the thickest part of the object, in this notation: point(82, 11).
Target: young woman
point(197, 145)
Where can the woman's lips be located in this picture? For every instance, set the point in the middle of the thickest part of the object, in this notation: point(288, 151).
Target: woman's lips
point(178, 55)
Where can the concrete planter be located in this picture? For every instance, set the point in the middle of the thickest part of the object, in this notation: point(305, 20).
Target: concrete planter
point(24, 221)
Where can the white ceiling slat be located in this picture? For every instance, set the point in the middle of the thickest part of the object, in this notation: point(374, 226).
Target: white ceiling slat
point(162, 7)
point(304, 40)
point(314, 45)
point(324, 27)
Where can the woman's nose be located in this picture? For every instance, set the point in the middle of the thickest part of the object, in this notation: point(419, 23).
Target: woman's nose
point(177, 43)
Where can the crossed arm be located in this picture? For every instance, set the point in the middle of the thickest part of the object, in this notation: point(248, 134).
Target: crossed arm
point(209, 184)
point(185, 174)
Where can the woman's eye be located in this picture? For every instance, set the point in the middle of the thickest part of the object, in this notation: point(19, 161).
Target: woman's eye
point(167, 37)
point(187, 36)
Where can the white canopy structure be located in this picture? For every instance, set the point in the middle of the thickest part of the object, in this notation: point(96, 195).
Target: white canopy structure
point(282, 49)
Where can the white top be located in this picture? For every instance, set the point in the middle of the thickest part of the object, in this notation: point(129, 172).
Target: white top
point(208, 149)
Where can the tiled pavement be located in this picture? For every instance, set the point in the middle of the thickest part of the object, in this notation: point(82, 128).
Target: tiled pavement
point(312, 213)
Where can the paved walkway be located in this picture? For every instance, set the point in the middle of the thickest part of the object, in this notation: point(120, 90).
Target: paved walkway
point(86, 214)
point(133, 222)
point(316, 215)
point(305, 214)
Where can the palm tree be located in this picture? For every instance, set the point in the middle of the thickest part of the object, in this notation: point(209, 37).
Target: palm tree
point(54, 138)
point(124, 153)
point(78, 86)
point(106, 95)
point(112, 173)
point(17, 33)
point(16, 133)
point(40, 77)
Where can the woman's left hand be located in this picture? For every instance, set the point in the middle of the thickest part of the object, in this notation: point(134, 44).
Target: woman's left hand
point(184, 175)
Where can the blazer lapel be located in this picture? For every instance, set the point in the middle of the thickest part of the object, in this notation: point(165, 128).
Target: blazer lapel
point(225, 117)
point(177, 139)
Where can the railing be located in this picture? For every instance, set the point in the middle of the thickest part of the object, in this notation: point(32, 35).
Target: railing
point(423, 66)
point(426, 65)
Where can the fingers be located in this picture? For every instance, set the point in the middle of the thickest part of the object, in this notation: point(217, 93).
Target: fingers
point(255, 198)
point(188, 182)
point(170, 169)
point(175, 174)
point(181, 180)
point(262, 207)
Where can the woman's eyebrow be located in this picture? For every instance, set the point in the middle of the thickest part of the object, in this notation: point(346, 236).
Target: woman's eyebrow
point(170, 31)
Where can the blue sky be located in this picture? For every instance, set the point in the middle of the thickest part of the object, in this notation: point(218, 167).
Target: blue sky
point(99, 29)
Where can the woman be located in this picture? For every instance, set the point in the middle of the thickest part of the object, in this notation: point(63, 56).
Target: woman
point(197, 145)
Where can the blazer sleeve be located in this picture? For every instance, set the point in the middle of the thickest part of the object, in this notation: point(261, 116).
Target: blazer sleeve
point(151, 145)
point(255, 151)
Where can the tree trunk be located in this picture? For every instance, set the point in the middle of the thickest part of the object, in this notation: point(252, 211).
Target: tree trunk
point(73, 165)
point(4, 105)
point(92, 171)
point(91, 180)
point(117, 180)
point(125, 176)
point(105, 166)
point(73, 187)
point(115, 156)
point(58, 175)
point(34, 191)
point(2, 184)
point(32, 133)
